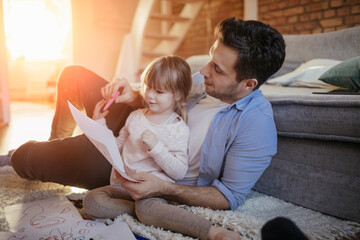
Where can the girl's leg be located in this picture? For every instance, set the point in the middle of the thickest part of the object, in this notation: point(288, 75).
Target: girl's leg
point(108, 202)
point(159, 213)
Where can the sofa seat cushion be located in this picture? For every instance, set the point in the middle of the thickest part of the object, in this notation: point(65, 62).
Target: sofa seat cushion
point(317, 116)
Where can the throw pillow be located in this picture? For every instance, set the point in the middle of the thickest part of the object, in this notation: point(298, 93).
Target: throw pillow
point(306, 75)
point(345, 75)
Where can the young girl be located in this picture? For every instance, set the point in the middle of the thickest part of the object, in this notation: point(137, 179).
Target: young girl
point(155, 140)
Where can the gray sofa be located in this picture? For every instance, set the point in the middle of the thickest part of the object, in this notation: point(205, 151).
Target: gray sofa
point(317, 164)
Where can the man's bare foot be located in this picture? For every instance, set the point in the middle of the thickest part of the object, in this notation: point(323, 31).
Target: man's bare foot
point(219, 233)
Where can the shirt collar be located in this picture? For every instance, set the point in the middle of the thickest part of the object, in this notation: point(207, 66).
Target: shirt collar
point(243, 102)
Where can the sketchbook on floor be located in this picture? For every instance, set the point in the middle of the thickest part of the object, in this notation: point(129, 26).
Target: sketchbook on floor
point(103, 139)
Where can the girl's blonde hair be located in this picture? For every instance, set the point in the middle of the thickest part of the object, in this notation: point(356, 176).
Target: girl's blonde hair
point(173, 74)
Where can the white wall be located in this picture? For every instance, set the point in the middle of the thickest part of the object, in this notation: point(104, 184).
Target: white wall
point(4, 89)
point(98, 30)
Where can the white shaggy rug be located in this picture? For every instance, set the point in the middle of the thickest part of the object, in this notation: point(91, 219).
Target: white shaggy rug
point(247, 220)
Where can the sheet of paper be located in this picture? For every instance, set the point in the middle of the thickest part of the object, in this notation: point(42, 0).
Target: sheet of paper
point(115, 231)
point(83, 230)
point(103, 139)
point(42, 215)
point(57, 218)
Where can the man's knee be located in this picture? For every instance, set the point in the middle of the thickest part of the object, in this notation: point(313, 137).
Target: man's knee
point(68, 76)
point(19, 159)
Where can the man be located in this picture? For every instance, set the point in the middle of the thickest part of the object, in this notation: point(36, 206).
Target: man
point(232, 131)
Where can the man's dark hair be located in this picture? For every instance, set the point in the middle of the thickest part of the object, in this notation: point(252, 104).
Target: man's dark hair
point(260, 48)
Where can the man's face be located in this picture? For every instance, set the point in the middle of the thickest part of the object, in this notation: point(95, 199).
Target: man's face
point(220, 75)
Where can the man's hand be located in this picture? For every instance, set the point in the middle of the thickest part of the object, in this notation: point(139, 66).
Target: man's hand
point(152, 186)
point(98, 110)
point(148, 186)
point(127, 94)
point(149, 139)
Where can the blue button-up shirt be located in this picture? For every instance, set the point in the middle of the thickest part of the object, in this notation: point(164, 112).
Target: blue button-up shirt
point(238, 147)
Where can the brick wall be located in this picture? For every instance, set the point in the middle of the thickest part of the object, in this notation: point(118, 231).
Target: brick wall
point(309, 16)
point(200, 36)
point(287, 16)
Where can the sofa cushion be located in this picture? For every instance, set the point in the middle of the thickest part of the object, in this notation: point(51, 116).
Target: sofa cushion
point(325, 117)
point(340, 45)
point(345, 74)
point(196, 62)
point(306, 75)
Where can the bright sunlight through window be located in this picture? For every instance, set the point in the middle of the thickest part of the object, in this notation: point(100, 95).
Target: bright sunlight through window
point(38, 30)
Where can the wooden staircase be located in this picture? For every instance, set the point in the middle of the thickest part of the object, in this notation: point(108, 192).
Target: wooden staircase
point(156, 31)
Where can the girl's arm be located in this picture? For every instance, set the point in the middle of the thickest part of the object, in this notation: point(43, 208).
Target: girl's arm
point(173, 159)
point(99, 116)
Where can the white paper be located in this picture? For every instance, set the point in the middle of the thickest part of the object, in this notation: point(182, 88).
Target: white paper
point(57, 218)
point(83, 230)
point(114, 231)
point(103, 139)
point(42, 215)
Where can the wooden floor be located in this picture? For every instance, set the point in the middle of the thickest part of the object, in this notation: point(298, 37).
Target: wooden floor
point(28, 121)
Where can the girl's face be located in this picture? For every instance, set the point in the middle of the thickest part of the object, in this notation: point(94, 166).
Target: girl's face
point(159, 100)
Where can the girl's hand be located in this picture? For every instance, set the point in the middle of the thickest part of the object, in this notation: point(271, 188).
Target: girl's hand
point(149, 139)
point(128, 170)
point(98, 110)
point(127, 94)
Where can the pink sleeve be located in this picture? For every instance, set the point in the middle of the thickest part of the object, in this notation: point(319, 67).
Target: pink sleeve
point(174, 158)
